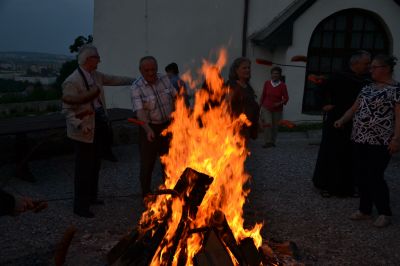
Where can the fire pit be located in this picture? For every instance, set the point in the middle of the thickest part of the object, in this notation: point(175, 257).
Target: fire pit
point(195, 218)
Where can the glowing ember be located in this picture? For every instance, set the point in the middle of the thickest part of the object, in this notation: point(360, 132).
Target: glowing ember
point(206, 139)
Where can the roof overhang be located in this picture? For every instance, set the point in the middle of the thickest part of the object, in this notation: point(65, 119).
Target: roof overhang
point(280, 31)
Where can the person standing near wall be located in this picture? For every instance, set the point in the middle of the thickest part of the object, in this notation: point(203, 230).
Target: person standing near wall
point(273, 98)
point(84, 107)
point(172, 71)
point(241, 96)
point(153, 98)
point(333, 173)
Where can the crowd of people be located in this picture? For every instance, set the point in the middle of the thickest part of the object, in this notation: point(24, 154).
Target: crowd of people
point(361, 125)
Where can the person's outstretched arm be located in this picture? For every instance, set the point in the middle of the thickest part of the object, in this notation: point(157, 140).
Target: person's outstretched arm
point(71, 97)
point(348, 115)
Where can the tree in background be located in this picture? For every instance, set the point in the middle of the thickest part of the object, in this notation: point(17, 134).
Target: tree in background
point(68, 67)
point(79, 42)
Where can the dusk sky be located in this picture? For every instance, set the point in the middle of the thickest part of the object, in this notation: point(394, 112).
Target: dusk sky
point(47, 26)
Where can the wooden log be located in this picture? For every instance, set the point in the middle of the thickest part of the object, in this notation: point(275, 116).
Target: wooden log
point(250, 252)
point(140, 250)
point(63, 245)
point(213, 253)
point(192, 187)
point(287, 248)
point(117, 251)
point(279, 253)
point(224, 232)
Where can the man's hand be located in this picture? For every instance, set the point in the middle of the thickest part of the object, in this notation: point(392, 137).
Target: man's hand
point(23, 204)
point(150, 135)
point(86, 130)
point(328, 107)
point(338, 123)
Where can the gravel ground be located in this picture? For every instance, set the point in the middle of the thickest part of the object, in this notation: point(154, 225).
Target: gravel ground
point(282, 196)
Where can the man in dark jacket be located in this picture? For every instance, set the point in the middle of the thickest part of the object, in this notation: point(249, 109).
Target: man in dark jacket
point(333, 170)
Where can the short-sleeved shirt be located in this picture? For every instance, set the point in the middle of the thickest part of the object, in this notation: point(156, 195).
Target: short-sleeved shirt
point(374, 121)
point(157, 100)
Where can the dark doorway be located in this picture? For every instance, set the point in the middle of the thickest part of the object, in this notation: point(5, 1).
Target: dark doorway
point(332, 43)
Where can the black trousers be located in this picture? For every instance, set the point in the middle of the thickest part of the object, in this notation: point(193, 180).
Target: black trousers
point(87, 168)
point(149, 152)
point(370, 165)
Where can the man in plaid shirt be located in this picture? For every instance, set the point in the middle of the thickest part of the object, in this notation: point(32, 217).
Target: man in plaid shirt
point(153, 98)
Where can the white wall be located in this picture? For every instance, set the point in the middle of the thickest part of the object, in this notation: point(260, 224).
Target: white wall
point(181, 31)
point(389, 11)
point(188, 31)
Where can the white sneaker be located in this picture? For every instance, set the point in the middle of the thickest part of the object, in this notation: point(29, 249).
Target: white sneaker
point(357, 216)
point(382, 221)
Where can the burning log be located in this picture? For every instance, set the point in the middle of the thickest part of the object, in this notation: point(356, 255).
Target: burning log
point(219, 246)
point(250, 252)
point(213, 253)
point(140, 247)
point(224, 232)
point(189, 221)
point(287, 248)
point(246, 252)
point(280, 253)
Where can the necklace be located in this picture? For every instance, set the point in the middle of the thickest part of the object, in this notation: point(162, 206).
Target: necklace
point(242, 84)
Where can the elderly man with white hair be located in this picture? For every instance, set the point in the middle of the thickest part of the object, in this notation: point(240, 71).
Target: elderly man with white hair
point(85, 110)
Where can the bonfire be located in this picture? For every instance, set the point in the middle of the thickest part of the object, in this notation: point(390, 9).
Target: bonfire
point(196, 216)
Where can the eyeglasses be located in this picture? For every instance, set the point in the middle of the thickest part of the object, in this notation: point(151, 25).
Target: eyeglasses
point(375, 67)
point(95, 57)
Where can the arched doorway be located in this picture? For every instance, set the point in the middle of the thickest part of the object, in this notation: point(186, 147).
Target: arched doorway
point(332, 43)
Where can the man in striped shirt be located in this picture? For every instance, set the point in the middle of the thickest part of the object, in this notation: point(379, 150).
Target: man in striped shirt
point(153, 98)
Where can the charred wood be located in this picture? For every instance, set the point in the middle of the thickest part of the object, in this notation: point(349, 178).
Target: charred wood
point(224, 232)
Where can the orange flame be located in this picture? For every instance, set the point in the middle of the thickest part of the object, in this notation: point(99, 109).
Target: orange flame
point(208, 140)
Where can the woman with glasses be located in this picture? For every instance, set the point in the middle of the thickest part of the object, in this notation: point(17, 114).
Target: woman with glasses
point(376, 136)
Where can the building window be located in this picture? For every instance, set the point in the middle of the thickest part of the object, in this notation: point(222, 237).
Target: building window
point(332, 43)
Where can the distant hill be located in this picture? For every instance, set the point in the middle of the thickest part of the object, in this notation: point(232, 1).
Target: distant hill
point(33, 58)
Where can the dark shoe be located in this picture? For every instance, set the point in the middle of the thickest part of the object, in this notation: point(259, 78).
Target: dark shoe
point(358, 216)
point(97, 202)
point(26, 175)
point(382, 221)
point(84, 213)
point(325, 194)
point(268, 145)
point(110, 157)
